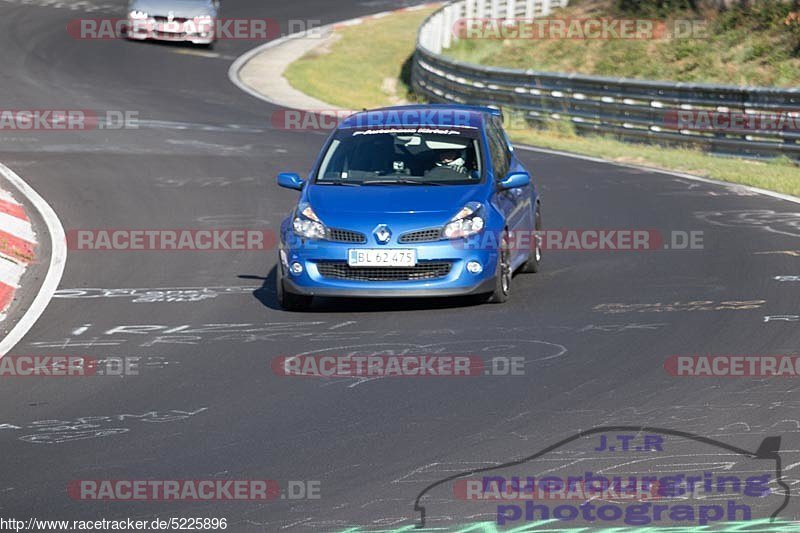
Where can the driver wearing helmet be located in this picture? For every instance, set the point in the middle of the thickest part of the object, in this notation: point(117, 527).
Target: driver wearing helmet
point(452, 159)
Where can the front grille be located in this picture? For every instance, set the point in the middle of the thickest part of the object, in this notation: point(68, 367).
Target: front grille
point(344, 235)
point(424, 270)
point(169, 34)
point(425, 235)
point(179, 20)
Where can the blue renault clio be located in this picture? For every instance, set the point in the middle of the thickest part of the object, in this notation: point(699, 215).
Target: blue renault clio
point(410, 201)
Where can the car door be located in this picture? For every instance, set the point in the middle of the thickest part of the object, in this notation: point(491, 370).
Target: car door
point(529, 191)
point(513, 203)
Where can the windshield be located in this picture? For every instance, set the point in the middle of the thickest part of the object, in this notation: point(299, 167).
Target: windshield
point(402, 156)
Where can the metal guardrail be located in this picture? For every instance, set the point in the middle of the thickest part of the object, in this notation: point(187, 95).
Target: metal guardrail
point(632, 109)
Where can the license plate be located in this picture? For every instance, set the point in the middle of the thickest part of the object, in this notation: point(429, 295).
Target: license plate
point(368, 257)
point(169, 27)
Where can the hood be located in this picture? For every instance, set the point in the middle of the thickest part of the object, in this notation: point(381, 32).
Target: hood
point(409, 206)
point(179, 8)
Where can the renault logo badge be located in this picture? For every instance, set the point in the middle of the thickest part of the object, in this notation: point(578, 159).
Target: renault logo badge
point(382, 234)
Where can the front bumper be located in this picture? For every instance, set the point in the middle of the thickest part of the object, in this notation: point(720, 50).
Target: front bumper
point(457, 282)
point(187, 32)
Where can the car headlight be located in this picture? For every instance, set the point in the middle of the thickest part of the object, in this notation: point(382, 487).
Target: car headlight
point(307, 224)
point(468, 221)
point(202, 25)
point(136, 14)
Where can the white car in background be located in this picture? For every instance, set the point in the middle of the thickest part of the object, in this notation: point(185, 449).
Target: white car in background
point(191, 21)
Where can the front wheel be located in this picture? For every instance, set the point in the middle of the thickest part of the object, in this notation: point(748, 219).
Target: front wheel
point(502, 288)
point(289, 300)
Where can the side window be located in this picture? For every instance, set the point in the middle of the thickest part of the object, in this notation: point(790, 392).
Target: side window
point(504, 138)
point(509, 146)
point(501, 157)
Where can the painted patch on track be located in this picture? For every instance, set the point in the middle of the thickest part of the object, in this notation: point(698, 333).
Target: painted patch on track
point(17, 248)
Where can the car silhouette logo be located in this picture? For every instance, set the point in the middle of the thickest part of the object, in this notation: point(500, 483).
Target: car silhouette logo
point(171, 16)
point(768, 450)
point(382, 234)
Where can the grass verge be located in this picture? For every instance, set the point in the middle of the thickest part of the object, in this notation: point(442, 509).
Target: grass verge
point(780, 174)
point(367, 66)
point(749, 44)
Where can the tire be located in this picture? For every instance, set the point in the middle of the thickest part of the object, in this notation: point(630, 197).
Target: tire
point(503, 273)
point(289, 300)
point(534, 262)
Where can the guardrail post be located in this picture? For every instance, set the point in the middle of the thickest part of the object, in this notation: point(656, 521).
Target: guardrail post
point(511, 9)
point(481, 8)
point(529, 8)
point(437, 33)
point(449, 20)
point(495, 9)
point(469, 9)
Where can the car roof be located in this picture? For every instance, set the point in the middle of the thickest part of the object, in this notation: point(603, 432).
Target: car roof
point(452, 115)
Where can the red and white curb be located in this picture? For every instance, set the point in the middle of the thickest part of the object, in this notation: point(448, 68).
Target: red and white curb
point(17, 247)
point(18, 244)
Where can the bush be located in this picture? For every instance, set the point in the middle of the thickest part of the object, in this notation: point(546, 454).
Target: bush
point(757, 16)
point(792, 23)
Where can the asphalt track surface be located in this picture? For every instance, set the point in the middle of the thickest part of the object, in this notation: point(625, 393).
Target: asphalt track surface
point(207, 405)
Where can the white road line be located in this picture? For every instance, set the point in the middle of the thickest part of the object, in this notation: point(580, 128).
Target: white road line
point(236, 66)
point(780, 196)
point(351, 22)
point(58, 259)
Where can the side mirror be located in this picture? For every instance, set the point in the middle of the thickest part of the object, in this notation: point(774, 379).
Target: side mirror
point(514, 180)
point(290, 181)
